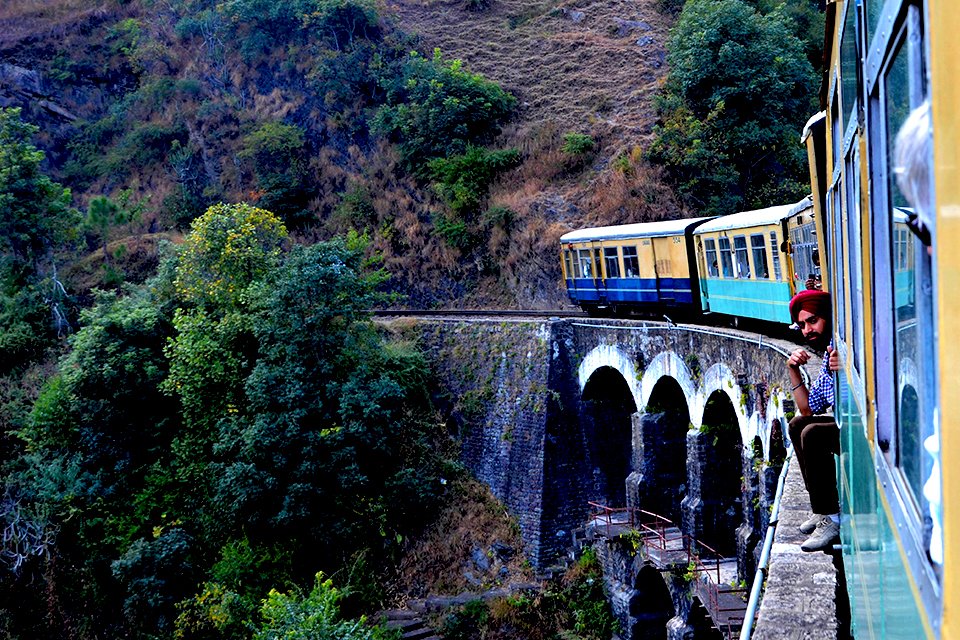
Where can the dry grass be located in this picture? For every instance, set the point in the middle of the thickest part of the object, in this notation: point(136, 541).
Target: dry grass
point(25, 19)
point(436, 562)
point(572, 72)
point(136, 256)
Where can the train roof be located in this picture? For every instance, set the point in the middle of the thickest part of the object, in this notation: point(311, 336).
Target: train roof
point(636, 230)
point(745, 219)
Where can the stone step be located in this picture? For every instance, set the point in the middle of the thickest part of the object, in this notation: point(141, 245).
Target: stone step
point(399, 614)
point(421, 632)
point(407, 624)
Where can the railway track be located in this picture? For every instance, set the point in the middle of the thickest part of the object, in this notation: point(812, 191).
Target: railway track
point(480, 313)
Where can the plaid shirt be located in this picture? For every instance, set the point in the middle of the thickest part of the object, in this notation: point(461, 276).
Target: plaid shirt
point(820, 395)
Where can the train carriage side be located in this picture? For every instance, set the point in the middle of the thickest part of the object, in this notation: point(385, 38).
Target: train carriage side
point(644, 266)
point(892, 69)
point(745, 271)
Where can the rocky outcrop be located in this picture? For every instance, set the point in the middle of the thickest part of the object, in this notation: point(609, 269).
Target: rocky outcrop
point(20, 86)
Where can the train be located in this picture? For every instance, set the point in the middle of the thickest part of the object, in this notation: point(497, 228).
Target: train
point(883, 225)
point(744, 265)
point(884, 175)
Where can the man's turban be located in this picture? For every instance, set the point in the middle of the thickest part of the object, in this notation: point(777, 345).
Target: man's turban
point(812, 301)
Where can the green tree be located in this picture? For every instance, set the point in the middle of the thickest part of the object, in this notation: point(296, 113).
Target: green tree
point(35, 212)
point(738, 93)
point(35, 219)
point(278, 154)
point(334, 423)
point(103, 214)
point(436, 108)
point(228, 248)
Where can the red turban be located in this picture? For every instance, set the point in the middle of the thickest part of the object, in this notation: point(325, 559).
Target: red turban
point(812, 301)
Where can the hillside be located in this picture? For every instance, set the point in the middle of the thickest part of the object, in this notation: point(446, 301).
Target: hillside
point(163, 99)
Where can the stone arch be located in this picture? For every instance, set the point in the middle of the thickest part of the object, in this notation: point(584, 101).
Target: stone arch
point(612, 356)
point(713, 507)
point(659, 478)
point(773, 428)
point(651, 606)
point(606, 414)
point(667, 364)
point(720, 378)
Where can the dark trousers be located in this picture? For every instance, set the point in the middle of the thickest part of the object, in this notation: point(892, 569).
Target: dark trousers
point(815, 440)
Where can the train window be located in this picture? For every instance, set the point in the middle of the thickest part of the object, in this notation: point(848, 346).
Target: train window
point(848, 64)
point(777, 273)
point(839, 263)
point(612, 258)
point(726, 258)
point(585, 270)
point(713, 268)
point(759, 248)
point(597, 261)
point(631, 265)
point(909, 358)
point(742, 255)
point(854, 235)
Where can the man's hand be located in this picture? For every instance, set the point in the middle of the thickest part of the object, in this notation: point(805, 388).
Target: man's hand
point(834, 362)
point(798, 358)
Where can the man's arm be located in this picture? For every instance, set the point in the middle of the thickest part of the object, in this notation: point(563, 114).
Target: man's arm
point(801, 396)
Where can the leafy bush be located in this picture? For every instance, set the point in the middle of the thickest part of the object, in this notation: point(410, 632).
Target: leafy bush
point(356, 207)
point(260, 24)
point(436, 109)
point(498, 216)
point(157, 573)
point(462, 181)
point(455, 232)
point(735, 100)
point(278, 154)
point(465, 623)
point(577, 144)
point(143, 145)
point(316, 615)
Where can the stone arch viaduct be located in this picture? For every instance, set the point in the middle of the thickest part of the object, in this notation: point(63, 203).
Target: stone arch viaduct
point(680, 420)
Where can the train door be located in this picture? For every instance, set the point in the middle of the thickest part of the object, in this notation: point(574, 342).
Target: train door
point(599, 276)
point(702, 268)
point(663, 260)
point(648, 268)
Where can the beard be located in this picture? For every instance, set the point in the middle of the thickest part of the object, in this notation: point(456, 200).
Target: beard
point(818, 341)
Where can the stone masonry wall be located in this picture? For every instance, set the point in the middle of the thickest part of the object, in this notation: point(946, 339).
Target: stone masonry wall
point(492, 388)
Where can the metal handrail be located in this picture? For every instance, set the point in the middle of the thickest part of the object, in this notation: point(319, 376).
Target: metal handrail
point(659, 539)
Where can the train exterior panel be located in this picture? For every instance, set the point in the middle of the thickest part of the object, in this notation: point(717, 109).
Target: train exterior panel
point(635, 266)
point(745, 270)
point(893, 270)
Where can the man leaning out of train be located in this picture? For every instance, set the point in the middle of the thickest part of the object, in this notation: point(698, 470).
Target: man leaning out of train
point(814, 434)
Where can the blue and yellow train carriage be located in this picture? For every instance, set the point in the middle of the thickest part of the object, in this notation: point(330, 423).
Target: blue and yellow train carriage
point(746, 269)
point(639, 266)
point(893, 68)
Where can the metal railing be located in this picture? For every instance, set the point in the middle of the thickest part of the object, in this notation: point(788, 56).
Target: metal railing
point(658, 532)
